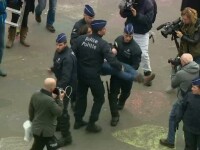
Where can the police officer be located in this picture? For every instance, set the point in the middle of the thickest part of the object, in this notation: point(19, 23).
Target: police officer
point(128, 52)
point(90, 51)
point(87, 19)
point(65, 69)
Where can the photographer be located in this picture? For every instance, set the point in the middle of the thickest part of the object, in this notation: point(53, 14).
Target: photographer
point(43, 111)
point(190, 34)
point(141, 14)
point(182, 80)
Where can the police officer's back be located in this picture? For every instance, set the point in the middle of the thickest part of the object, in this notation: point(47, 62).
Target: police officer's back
point(90, 51)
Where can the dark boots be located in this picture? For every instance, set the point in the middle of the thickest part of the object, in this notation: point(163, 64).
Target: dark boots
point(11, 37)
point(23, 34)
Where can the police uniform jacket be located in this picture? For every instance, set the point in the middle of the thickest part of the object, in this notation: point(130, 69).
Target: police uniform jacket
point(76, 29)
point(90, 51)
point(43, 113)
point(65, 68)
point(129, 53)
point(189, 112)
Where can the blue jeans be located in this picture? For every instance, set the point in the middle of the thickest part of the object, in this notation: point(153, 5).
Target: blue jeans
point(51, 12)
point(172, 118)
point(2, 34)
point(129, 73)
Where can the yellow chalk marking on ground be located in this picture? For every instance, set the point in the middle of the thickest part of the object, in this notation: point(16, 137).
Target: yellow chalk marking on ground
point(145, 136)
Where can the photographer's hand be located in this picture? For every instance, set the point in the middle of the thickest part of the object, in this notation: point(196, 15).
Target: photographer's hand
point(179, 34)
point(134, 12)
point(62, 95)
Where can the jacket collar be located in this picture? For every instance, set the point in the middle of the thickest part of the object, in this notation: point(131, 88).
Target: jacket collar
point(46, 92)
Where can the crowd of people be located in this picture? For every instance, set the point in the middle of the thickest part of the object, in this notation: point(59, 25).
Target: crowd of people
point(80, 65)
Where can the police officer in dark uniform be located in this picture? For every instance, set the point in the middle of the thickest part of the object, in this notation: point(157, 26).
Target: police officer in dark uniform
point(87, 19)
point(129, 52)
point(65, 70)
point(90, 51)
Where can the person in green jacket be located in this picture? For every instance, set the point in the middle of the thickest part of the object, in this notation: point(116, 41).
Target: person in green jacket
point(43, 113)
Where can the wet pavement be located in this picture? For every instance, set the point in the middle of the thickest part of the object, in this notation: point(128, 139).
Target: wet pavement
point(144, 119)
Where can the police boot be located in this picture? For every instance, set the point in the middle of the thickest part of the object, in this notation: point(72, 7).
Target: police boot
point(148, 77)
point(11, 37)
point(23, 34)
point(93, 128)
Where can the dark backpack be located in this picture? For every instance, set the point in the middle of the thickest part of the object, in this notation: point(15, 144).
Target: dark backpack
point(155, 9)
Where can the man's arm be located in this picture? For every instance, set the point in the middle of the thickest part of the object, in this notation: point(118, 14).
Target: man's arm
point(175, 78)
point(31, 111)
point(56, 108)
point(110, 57)
point(74, 34)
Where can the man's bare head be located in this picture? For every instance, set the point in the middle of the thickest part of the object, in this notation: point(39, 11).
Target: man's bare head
point(49, 84)
point(186, 58)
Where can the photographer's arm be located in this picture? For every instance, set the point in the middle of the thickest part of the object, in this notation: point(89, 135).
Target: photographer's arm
point(194, 40)
point(175, 78)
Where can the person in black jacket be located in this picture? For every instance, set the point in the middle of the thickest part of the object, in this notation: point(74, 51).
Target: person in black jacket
point(128, 52)
point(90, 51)
point(65, 69)
point(195, 4)
point(189, 112)
point(87, 19)
point(141, 15)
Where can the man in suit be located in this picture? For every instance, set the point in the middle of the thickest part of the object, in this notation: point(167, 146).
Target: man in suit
point(43, 113)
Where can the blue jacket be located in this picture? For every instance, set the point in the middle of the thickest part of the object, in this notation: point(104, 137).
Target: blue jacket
point(3, 4)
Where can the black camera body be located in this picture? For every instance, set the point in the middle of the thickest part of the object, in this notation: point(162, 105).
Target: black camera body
point(170, 27)
point(129, 4)
point(176, 61)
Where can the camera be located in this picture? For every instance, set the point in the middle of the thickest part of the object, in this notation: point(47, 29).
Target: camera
point(170, 27)
point(176, 61)
point(58, 91)
point(129, 4)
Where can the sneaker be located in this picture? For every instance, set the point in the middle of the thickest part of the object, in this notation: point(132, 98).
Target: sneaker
point(50, 28)
point(2, 73)
point(165, 142)
point(79, 124)
point(38, 18)
point(114, 121)
point(93, 128)
point(148, 79)
point(139, 78)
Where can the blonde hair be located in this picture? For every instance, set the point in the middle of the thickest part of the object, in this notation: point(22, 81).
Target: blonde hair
point(191, 14)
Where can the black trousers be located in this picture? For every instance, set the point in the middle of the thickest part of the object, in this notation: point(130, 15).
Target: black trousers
point(97, 89)
point(15, 17)
point(118, 86)
point(192, 141)
point(40, 142)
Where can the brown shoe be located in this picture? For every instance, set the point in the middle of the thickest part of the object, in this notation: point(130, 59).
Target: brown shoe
point(38, 18)
point(50, 28)
point(165, 142)
point(11, 37)
point(139, 78)
point(23, 34)
point(148, 79)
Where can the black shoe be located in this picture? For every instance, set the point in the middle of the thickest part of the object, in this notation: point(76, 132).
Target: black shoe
point(92, 127)
point(2, 73)
point(79, 124)
point(38, 18)
point(50, 28)
point(64, 141)
point(120, 106)
point(114, 121)
point(148, 79)
point(164, 142)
